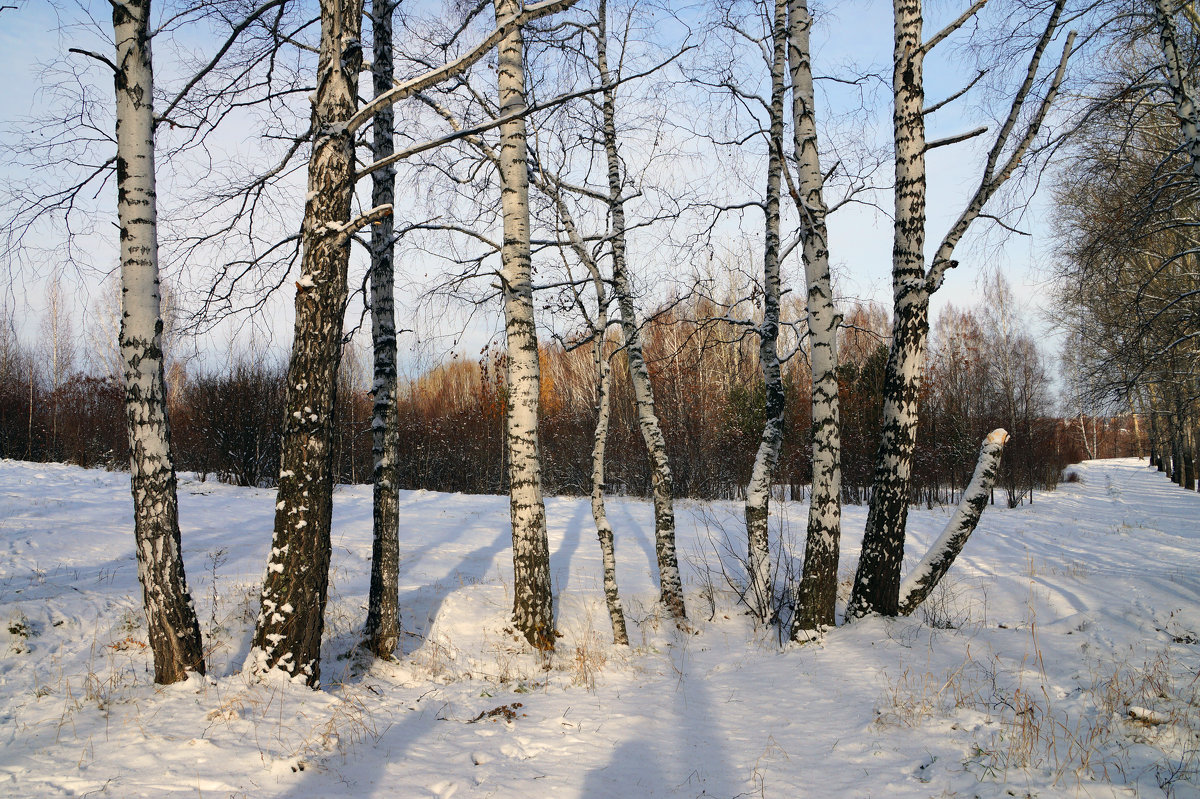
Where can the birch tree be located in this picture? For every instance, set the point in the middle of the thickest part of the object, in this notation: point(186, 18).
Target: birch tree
point(533, 602)
point(818, 582)
point(1182, 89)
point(287, 635)
point(383, 612)
point(173, 630)
point(604, 531)
point(933, 567)
point(760, 590)
point(603, 405)
point(877, 580)
point(670, 582)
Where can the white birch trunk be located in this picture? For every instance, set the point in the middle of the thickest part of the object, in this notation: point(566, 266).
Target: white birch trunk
point(950, 543)
point(172, 627)
point(877, 581)
point(603, 372)
point(818, 583)
point(533, 609)
point(604, 531)
point(1182, 94)
point(760, 592)
point(287, 635)
point(670, 583)
point(383, 612)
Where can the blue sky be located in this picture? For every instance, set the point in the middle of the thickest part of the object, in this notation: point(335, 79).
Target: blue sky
point(855, 32)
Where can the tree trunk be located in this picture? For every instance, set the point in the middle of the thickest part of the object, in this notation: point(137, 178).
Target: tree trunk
point(287, 635)
point(383, 611)
point(533, 602)
point(1181, 94)
point(612, 597)
point(172, 627)
point(877, 581)
point(941, 555)
point(760, 593)
point(670, 583)
point(603, 372)
point(818, 584)
point(1137, 427)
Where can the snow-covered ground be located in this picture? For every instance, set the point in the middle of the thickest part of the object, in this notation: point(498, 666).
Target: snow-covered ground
point(1060, 660)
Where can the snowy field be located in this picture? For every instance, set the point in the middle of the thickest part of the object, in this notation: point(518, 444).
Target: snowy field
point(1060, 660)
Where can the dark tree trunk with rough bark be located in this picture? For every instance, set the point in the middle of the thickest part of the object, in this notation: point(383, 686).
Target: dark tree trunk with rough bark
point(533, 600)
point(383, 611)
point(287, 636)
point(172, 627)
point(877, 581)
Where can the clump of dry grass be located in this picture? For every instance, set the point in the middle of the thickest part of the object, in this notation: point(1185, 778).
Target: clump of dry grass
point(1091, 732)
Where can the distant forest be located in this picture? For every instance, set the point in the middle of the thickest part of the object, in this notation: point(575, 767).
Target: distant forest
point(983, 372)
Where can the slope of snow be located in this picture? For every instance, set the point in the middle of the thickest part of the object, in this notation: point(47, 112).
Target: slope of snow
point(1060, 660)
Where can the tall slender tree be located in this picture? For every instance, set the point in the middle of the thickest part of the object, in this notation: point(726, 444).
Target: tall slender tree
point(533, 601)
point(670, 582)
point(173, 629)
point(818, 582)
point(761, 591)
point(383, 612)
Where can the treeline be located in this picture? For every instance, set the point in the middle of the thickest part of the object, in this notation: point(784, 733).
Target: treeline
point(1128, 276)
point(711, 405)
point(982, 374)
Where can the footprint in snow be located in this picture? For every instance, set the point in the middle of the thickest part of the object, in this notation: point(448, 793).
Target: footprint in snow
point(444, 789)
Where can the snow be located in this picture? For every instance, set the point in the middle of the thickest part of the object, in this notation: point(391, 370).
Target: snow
point(1059, 661)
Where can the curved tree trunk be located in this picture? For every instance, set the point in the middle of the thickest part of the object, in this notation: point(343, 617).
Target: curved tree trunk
point(950, 543)
point(670, 583)
point(171, 623)
point(533, 602)
point(877, 581)
point(818, 584)
point(383, 611)
point(287, 635)
point(760, 593)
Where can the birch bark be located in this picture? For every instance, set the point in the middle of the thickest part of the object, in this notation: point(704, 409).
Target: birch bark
point(929, 572)
point(172, 627)
point(877, 581)
point(670, 583)
point(383, 611)
point(1182, 94)
point(604, 531)
point(533, 602)
point(818, 583)
point(760, 591)
point(603, 371)
point(287, 635)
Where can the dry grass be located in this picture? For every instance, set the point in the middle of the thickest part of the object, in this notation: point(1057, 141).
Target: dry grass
point(1132, 719)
